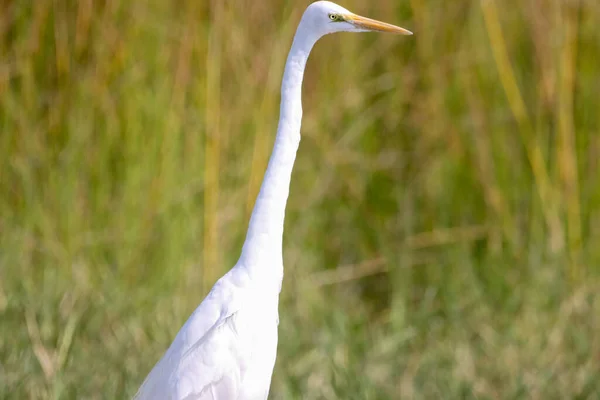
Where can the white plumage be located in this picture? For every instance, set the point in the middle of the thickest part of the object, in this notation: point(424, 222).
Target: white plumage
point(227, 348)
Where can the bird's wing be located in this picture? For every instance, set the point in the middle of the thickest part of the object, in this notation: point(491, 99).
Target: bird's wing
point(226, 388)
point(210, 369)
point(200, 363)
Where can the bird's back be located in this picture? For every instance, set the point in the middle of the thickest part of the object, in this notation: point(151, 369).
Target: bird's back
point(225, 350)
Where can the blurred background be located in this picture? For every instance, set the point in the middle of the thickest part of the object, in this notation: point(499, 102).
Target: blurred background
point(442, 232)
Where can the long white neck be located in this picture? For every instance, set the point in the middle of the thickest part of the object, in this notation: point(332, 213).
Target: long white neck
point(262, 250)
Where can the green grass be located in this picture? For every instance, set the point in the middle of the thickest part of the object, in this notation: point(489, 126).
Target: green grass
point(443, 221)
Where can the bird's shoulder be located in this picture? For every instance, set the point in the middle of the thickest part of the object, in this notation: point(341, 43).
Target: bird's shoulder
point(224, 299)
point(216, 362)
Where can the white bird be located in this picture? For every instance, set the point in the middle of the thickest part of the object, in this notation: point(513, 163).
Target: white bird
point(226, 350)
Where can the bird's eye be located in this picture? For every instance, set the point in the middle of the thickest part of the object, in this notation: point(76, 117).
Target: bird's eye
point(334, 17)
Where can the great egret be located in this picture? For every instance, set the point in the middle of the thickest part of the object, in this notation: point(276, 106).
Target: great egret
point(227, 348)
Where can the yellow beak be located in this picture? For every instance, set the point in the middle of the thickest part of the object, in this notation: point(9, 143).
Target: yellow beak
point(374, 25)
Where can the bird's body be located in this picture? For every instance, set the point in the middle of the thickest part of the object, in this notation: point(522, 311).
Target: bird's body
point(227, 348)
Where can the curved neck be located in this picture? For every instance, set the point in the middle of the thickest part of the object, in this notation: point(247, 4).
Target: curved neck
point(263, 246)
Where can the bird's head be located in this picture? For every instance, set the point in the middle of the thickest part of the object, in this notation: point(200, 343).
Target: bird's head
point(325, 17)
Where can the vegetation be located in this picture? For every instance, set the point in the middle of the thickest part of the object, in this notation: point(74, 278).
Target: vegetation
point(443, 223)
